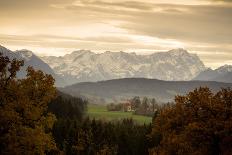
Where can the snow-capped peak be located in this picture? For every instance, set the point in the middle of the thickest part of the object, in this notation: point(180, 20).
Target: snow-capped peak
point(79, 52)
point(178, 51)
point(224, 69)
point(84, 65)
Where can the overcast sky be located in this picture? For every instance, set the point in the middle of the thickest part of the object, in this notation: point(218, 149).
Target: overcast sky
point(57, 27)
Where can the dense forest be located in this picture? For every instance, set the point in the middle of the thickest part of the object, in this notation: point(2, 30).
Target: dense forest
point(37, 119)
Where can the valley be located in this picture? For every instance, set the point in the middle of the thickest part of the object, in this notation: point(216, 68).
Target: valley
point(99, 112)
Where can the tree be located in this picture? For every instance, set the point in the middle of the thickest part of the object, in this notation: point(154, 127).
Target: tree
point(145, 104)
point(135, 103)
point(197, 124)
point(154, 104)
point(25, 124)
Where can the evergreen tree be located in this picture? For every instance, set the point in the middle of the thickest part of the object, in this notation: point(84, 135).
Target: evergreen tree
point(145, 104)
point(154, 104)
point(135, 103)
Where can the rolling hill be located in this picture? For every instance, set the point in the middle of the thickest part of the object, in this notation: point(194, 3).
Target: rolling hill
point(122, 89)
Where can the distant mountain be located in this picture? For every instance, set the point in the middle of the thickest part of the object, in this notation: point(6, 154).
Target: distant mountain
point(120, 89)
point(84, 66)
point(31, 59)
point(221, 74)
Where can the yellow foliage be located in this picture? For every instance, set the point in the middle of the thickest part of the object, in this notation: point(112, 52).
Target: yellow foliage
point(197, 124)
point(25, 124)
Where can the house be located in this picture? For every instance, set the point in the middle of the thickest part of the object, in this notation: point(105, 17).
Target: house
point(127, 106)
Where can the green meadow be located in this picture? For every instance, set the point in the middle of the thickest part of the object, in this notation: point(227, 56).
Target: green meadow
point(100, 112)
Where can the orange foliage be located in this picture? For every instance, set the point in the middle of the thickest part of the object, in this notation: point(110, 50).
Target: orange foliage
point(199, 123)
point(25, 124)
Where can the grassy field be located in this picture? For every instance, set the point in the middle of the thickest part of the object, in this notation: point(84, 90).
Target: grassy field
point(100, 112)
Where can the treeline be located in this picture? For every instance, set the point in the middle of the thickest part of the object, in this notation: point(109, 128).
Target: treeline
point(91, 137)
point(145, 106)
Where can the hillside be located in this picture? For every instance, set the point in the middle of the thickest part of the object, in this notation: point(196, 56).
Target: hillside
point(121, 89)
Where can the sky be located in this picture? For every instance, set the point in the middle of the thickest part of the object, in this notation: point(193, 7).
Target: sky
point(58, 27)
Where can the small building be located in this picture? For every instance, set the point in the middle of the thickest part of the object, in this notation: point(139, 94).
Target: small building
point(127, 106)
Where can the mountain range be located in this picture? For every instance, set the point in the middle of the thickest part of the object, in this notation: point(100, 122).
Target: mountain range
point(221, 74)
point(85, 66)
point(115, 76)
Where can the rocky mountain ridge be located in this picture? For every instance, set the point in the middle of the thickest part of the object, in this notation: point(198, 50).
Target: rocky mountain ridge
point(84, 65)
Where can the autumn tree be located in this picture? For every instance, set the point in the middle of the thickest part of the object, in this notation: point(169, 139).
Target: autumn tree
point(199, 123)
point(25, 124)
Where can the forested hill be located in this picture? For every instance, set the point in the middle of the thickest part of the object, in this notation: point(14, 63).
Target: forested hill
point(119, 89)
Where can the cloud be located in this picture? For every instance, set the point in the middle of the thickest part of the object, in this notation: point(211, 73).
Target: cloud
point(30, 4)
point(202, 23)
point(209, 24)
point(102, 43)
point(121, 7)
point(198, 25)
point(125, 4)
point(222, 0)
point(56, 38)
